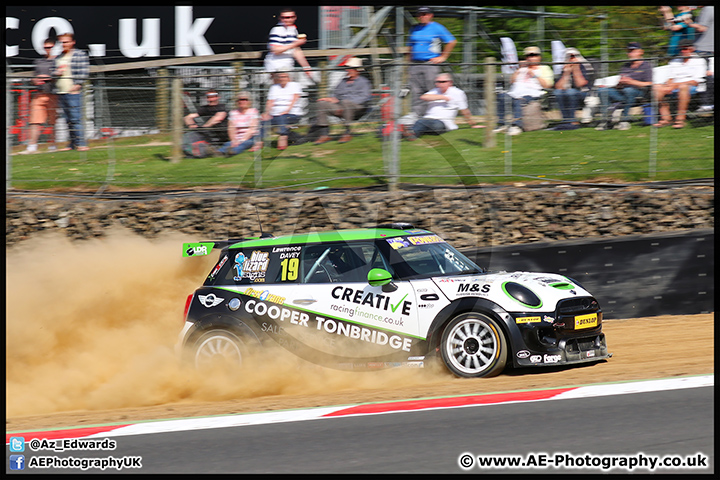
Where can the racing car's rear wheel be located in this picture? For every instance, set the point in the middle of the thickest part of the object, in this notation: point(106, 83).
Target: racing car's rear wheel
point(218, 348)
point(473, 345)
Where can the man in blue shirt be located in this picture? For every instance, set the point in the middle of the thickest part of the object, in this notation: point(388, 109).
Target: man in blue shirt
point(427, 52)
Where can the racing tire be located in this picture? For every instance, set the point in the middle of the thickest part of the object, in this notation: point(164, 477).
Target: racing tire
point(473, 346)
point(218, 348)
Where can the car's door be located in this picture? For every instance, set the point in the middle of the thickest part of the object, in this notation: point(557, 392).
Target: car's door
point(331, 286)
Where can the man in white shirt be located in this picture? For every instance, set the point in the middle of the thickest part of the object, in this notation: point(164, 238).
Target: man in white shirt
point(444, 102)
point(686, 73)
point(282, 108)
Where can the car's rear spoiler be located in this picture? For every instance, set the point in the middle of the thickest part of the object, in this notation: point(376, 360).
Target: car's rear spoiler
point(197, 249)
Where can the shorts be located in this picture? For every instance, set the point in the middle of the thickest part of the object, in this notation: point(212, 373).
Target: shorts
point(43, 109)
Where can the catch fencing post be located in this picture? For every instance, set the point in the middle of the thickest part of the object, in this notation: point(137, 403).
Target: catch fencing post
point(177, 123)
point(490, 102)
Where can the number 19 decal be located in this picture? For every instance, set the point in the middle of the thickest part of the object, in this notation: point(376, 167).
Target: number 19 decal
point(290, 269)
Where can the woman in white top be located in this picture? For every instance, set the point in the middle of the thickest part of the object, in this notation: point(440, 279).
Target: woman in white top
point(243, 123)
point(282, 107)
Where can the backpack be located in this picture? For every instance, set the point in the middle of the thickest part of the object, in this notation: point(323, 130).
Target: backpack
point(533, 117)
point(195, 145)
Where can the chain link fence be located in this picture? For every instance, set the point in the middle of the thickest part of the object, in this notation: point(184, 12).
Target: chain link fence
point(153, 102)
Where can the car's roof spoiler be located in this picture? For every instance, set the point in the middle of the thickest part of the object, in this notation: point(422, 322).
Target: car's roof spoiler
point(197, 249)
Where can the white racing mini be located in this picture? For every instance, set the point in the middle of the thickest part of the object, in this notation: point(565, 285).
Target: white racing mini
point(383, 297)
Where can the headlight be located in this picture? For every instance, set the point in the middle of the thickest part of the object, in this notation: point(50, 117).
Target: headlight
point(522, 294)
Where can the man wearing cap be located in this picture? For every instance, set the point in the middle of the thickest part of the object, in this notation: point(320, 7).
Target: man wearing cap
point(528, 83)
point(430, 45)
point(686, 73)
point(349, 100)
point(635, 82)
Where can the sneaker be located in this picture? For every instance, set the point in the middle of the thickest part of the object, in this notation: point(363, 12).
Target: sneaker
point(706, 108)
point(514, 130)
point(602, 126)
point(623, 126)
point(500, 129)
point(29, 149)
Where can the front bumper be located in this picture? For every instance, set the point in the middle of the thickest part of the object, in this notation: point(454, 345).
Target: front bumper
point(569, 351)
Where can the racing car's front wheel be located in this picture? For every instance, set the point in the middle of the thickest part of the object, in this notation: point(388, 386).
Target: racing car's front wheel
point(473, 345)
point(218, 348)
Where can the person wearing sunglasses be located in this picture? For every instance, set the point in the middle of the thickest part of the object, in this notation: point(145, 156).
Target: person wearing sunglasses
point(243, 127)
point(444, 102)
point(284, 46)
point(634, 83)
point(348, 102)
point(528, 83)
point(685, 74)
point(72, 69)
point(44, 102)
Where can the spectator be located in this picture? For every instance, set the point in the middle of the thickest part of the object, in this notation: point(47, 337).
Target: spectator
point(349, 100)
point(679, 26)
point(72, 68)
point(708, 96)
point(635, 82)
point(282, 108)
point(705, 25)
point(210, 120)
point(243, 127)
point(528, 83)
point(44, 104)
point(444, 101)
point(284, 45)
point(572, 87)
point(426, 55)
point(685, 75)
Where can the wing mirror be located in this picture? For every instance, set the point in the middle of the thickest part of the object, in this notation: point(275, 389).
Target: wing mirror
point(379, 277)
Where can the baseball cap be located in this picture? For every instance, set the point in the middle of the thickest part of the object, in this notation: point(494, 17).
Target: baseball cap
point(634, 46)
point(355, 63)
point(531, 51)
point(424, 10)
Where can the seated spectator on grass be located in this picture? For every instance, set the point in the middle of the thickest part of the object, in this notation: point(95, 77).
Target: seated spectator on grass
point(635, 81)
point(349, 101)
point(443, 103)
point(282, 108)
point(243, 123)
point(572, 87)
point(686, 73)
point(210, 120)
point(528, 83)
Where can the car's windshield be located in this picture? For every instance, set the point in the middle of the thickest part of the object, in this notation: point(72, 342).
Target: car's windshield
point(428, 256)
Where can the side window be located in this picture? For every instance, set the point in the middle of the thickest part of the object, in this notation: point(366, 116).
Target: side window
point(337, 263)
point(246, 267)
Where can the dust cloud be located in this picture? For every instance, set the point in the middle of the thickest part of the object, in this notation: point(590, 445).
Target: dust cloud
point(92, 325)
